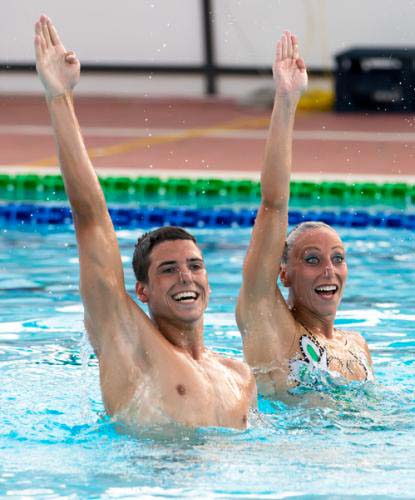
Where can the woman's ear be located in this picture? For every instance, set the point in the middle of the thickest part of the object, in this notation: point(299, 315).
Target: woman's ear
point(141, 291)
point(284, 276)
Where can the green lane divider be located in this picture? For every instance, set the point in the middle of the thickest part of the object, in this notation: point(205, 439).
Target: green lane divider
point(32, 187)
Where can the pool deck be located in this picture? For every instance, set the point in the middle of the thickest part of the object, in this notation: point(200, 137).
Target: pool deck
point(208, 137)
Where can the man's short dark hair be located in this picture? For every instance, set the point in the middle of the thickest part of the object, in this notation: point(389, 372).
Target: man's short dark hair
point(146, 243)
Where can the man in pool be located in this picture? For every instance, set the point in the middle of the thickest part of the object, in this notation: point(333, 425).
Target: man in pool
point(152, 370)
point(293, 342)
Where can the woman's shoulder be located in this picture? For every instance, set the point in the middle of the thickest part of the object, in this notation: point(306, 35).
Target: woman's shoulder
point(353, 336)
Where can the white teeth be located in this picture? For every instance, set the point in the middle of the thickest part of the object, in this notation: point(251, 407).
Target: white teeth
point(185, 296)
point(326, 288)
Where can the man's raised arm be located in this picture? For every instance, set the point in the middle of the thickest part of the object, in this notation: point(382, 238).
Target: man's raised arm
point(262, 314)
point(102, 280)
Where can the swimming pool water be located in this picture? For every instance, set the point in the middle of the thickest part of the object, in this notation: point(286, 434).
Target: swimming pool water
point(55, 440)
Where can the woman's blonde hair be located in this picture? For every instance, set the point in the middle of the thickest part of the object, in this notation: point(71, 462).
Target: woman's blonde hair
point(296, 231)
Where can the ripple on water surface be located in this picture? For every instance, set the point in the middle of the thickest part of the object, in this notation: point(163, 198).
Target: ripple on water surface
point(55, 440)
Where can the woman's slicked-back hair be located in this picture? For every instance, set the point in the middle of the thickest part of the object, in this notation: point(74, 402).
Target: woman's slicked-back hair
point(146, 243)
point(296, 231)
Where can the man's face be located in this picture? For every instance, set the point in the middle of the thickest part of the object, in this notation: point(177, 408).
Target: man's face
point(316, 271)
point(177, 288)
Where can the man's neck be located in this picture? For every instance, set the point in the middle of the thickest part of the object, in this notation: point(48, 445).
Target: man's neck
point(186, 336)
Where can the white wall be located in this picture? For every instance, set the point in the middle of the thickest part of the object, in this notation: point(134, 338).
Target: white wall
point(129, 31)
point(247, 29)
point(170, 32)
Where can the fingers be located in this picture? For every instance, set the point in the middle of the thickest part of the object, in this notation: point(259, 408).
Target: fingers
point(289, 44)
point(38, 47)
point(301, 64)
point(45, 31)
point(70, 57)
point(284, 47)
point(38, 29)
point(39, 42)
point(53, 34)
point(47, 36)
point(288, 47)
point(279, 51)
point(296, 51)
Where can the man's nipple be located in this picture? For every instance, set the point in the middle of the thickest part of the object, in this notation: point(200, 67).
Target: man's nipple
point(181, 389)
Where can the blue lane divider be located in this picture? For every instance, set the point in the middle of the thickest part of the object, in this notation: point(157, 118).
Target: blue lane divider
point(26, 214)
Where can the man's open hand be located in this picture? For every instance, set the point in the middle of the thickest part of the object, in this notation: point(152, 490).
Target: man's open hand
point(58, 69)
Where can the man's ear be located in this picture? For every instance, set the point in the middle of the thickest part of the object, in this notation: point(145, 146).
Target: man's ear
point(141, 291)
point(284, 276)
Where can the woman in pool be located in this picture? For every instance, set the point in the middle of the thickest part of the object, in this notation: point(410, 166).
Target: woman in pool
point(291, 342)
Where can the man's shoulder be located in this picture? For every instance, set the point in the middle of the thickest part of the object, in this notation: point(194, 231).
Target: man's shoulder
point(238, 366)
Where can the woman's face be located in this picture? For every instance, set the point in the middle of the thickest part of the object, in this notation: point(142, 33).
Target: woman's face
point(316, 271)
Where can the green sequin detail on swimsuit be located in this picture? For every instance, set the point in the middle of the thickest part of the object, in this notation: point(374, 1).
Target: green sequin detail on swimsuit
point(315, 360)
point(313, 354)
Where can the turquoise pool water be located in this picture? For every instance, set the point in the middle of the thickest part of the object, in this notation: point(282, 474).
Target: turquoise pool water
point(56, 442)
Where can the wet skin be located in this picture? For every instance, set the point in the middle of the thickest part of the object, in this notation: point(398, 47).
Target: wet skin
point(152, 371)
point(275, 331)
point(176, 267)
point(317, 259)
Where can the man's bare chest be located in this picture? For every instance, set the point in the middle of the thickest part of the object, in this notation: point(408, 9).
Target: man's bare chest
point(210, 395)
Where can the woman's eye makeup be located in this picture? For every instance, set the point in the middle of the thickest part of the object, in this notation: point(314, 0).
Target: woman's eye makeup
point(314, 259)
point(311, 259)
point(338, 258)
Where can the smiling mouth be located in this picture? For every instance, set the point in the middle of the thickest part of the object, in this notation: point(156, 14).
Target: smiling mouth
point(326, 291)
point(185, 297)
